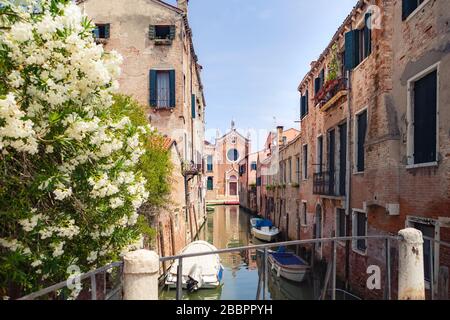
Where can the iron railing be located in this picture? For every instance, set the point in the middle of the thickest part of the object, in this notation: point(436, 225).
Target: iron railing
point(327, 183)
point(93, 283)
point(265, 250)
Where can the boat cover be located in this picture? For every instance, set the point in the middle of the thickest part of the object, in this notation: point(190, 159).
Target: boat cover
point(264, 223)
point(210, 265)
point(288, 259)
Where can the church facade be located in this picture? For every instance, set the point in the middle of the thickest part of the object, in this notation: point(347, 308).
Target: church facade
point(222, 166)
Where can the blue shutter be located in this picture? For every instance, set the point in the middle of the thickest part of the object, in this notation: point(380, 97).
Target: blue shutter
point(172, 32)
point(107, 31)
point(322, 78)
point(96, 32)
point(316, 85)
point(408, 6)
point(368, 34)
point(351, 49)
point(193, 106)
point(172, 88)
point(307, 101)
point(152, 88)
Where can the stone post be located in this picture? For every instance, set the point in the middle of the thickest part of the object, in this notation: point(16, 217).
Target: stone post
point(411, 279)
point(140, 275)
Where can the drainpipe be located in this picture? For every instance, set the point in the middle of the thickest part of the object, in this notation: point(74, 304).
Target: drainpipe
point(348, 177)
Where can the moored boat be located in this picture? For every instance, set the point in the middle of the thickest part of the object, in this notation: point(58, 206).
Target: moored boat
point(202, 272)
point(289, 266)
point(264, 230)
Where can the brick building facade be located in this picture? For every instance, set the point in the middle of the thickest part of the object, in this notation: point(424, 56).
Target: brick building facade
point(374, 142)
point(160, 70)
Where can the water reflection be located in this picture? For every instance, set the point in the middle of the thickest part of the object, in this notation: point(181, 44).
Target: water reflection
point(229, 227)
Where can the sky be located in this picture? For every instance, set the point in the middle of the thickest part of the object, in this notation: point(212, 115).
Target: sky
point(254, 54)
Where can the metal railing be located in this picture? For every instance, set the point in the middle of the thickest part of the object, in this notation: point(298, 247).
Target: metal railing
point(327, 183)
point(93, 283)
point(265, 250)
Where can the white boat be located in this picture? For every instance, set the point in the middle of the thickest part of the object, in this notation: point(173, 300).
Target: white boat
point(288, 266)
point(254, 221)
point(264, 230)
point(202, 272)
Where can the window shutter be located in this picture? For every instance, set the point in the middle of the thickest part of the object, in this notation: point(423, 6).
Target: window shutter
point(351, 49)
point(408, 6)
point(303, 107)
point(172, 88)
point(107, 31)
point(362, 130)
point(193, 105)
point(152, 88)
point(368, 34)
point(316, 85)
point(322, 78)
point(307, 101)
point(152, 32)
point(172, 32)
point(96, 32)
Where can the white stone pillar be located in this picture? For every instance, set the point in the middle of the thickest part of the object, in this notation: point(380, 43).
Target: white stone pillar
point(411, 278)
point(140, 275)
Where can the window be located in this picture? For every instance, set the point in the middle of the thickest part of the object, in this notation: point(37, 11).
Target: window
point(319, 81)
point(304, 213)
point(358, 44)
point(320, 154)
point(242, 170)
point(162, 88)
point(427, 231)
point(297, 168)
point(422, 114)
point(161, 32)
point(305, 162)
point(193, 106)
point(233, 155)
point(101, 31)
point(409, 6)
point(304, 105)
point(210, 183)
point(361, 131)
point(341, 228)
point(254, 166)
point(359, 230)
point(258, 181)
point(290, 170)
point(209, 164)
point(284, 140)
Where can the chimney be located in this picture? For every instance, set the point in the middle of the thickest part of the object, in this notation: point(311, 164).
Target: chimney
point(280, 135)
point(183, 5)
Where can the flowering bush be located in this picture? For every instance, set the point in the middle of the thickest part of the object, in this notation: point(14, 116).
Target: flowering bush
point(70, 178)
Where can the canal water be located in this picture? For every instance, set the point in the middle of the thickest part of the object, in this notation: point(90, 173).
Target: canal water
point(229, 227)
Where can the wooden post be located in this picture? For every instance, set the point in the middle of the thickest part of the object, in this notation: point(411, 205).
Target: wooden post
point(443, 283)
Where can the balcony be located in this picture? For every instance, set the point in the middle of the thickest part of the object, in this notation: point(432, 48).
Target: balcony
point(328, 184)
point(332, 93)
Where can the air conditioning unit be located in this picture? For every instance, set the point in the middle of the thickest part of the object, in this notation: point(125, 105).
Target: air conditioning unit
point(393, 209)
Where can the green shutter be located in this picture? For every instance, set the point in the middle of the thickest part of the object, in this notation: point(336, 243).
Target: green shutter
point(316, 85)
point(172, 32)
point(302, 107)
point(307, 101)
point(152, 88)
point(351, 49)
point(408, 6)
point(172, 88)
point(193, 105)
point(151, 32)
point(368, 34)
point(322, 78)
point(107, 31)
